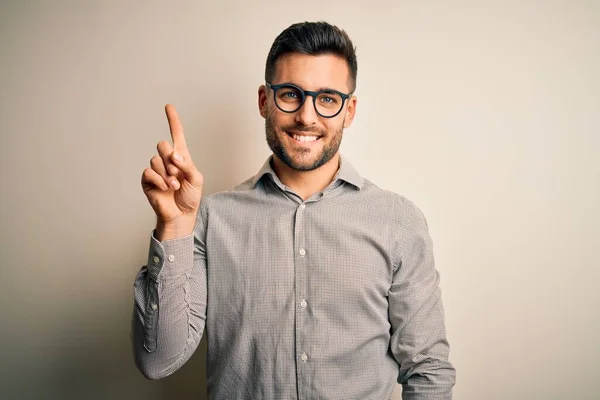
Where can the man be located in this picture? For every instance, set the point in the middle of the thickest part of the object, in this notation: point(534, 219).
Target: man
point(311, 282)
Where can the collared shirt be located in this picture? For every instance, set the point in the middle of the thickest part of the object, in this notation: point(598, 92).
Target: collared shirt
point(334, 297)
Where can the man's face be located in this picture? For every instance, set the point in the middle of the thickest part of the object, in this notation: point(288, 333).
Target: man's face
point(303, 140)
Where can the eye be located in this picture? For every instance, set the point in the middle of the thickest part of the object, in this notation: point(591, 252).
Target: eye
point(329, 98)
point(290, 94)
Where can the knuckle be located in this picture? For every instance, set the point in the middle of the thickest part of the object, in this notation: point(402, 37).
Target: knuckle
point(173, 170)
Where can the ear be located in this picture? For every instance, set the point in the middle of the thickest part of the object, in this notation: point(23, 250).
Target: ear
point(350, 111)
point(262, 101)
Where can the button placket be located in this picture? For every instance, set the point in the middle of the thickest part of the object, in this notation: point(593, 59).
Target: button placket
point(151, 317)
point(301, 315)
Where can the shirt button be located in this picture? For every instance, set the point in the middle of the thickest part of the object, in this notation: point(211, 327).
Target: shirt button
point(171, 258)
point(304, 357)
point(154, 306)
point(156, 259)
point(303, 304)
point(302, 206)
point(302, 252)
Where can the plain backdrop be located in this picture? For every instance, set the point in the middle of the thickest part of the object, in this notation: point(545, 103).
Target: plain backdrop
point(484, 113)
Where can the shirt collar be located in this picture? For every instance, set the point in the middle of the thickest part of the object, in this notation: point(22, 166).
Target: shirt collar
point(346, 173)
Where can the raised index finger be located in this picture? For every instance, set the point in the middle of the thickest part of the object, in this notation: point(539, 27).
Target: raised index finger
point(176, 129)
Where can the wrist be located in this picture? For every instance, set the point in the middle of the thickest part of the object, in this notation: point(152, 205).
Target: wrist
point(179, 228)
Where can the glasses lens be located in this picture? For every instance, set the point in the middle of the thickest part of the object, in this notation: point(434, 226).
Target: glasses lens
point(288, 98)
point(329, 103)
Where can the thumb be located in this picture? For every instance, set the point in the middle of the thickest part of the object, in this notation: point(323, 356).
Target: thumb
point(187, 167)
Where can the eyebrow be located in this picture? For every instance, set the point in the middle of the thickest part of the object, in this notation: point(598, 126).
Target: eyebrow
point(317, 90)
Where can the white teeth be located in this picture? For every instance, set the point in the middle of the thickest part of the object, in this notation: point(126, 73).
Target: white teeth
point(305, 138)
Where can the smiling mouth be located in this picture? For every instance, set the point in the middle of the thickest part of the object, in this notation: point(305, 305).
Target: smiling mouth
point(303, 138)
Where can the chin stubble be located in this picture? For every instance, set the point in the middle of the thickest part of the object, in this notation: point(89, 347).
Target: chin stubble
point(279, 150)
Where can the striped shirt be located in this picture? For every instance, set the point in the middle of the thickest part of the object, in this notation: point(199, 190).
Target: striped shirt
point(333, 297)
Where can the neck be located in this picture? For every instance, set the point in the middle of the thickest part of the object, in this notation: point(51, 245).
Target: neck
point(306, 183)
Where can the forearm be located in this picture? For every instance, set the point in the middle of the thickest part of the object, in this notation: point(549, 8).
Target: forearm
point(430, 379)
point(170, 307)
point(425, 372)
point(422, 350)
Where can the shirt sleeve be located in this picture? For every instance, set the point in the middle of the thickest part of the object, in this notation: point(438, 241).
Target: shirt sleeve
point(418, 339)
point(169, 313)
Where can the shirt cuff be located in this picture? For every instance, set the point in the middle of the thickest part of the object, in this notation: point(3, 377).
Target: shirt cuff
point(171, 257)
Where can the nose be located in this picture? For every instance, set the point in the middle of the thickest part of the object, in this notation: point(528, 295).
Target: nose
point(307, 115)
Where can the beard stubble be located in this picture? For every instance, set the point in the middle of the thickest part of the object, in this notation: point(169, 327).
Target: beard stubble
point(326, 153)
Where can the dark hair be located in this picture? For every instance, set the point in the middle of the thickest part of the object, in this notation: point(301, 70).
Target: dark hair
point(313, 38)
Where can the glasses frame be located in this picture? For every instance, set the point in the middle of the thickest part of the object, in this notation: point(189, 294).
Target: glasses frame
point(305, 93)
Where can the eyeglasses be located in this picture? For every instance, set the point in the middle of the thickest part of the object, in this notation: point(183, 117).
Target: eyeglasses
point(290, 98)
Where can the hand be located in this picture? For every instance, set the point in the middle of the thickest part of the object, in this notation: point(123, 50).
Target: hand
point(172, 184)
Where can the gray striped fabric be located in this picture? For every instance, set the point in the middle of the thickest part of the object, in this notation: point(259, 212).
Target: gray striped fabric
point(335, 297)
